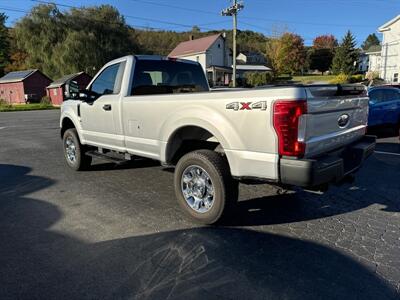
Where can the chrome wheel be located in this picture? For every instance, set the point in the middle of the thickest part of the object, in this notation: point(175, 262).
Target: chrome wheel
point(197, 189)
point(70, 149)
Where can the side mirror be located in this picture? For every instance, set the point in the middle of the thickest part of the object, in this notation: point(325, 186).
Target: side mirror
point(71, 90)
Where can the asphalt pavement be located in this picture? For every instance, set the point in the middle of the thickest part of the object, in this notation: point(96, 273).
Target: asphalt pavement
point(116, 232)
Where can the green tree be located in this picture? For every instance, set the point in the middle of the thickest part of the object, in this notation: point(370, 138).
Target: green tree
point(59, 43)
point(37, 34)
point(77, 53)
point(371, 40)
point(253, 79)
point(17, 57)
point(196, 29)
point(4, 44)
point(287, 55)
point(107, 36)
point(346, 56)
point(272, 50)
point(320, 59)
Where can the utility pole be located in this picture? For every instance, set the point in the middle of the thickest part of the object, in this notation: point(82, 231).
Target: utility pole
point(233, 11)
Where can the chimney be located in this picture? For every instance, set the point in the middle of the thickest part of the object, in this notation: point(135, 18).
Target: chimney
point(191, 37)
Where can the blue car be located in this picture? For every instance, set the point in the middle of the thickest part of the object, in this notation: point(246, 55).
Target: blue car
point(384, 107)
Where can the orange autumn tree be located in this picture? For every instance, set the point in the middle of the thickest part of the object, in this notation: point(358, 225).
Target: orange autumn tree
point(327, 41)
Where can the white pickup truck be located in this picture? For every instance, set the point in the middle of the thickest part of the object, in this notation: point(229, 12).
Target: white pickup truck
point(163, 109)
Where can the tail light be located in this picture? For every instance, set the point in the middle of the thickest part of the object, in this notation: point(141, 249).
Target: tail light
point(286, 124)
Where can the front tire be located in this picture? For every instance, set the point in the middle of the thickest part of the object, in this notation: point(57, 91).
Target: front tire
point(204, 186)
point(74, 151)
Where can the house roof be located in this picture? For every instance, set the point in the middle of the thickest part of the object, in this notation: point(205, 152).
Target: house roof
point(194, 46)
point(372, 49)
point(253, 68)
point(251, 53)
point(385, 26)
point(61, 81)
point(17, 76)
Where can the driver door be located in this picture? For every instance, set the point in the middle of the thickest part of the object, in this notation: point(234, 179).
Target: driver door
point(100, 116)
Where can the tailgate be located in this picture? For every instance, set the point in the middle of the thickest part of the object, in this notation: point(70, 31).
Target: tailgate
point(336, 116)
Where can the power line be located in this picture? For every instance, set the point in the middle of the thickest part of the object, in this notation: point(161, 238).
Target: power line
point(92, 20)
point(211, 13)
point(253, 18)
point(177, 7)
point(13, 9)
point(130, 16)
point(343, 2)
point(134, 26)
point(306, 23)
point(201, 26)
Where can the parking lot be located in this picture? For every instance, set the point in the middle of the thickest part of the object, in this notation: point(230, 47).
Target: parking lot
point(117, 232)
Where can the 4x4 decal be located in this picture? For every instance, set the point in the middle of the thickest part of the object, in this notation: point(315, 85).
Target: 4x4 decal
point(262, 105)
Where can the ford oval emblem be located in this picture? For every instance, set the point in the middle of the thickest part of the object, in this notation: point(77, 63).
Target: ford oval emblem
point(343, 120)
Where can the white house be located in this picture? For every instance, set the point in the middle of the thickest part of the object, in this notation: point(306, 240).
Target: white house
point(390, 55)
point(212, 53)
point(370, 60)
point(363, 62)
point(374, 58)
point(250, 58)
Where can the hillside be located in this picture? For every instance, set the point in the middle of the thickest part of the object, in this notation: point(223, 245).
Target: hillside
point(65, 42)
point(162, 42)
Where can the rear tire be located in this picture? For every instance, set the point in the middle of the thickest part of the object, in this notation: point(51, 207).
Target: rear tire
point(204, 187)
point(74, 151)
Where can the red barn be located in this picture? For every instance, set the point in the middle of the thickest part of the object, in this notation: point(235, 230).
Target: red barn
point(23, 86)
point(56, 89)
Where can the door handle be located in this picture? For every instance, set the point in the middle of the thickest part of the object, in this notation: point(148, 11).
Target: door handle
point(107, 107)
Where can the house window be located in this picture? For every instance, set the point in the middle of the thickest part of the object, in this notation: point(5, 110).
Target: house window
point(219, 45)
point(197, 58)
point(55, 92)
point(396, 77)
point(210, 60)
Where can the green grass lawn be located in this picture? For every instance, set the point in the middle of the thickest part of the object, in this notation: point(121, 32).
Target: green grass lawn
point(313, 78)
point(25, 107)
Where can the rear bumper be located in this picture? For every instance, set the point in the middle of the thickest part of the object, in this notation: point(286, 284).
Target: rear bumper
point(330, 168)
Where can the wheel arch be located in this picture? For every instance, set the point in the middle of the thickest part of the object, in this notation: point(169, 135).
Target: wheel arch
point(67, 123)
point(188, 138)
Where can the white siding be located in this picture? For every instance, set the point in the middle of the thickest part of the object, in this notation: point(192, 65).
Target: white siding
point(375, 62)
point(200, 58)
point(242, 58)
point(216, 53)
point(363, 63)
point(391, 52)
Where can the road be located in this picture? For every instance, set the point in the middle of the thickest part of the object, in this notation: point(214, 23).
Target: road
point(117, 232)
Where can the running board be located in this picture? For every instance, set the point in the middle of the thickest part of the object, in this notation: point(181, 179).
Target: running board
point(113, 159)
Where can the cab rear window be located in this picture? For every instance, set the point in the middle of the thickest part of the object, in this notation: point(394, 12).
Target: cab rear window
point(167, 77)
